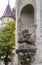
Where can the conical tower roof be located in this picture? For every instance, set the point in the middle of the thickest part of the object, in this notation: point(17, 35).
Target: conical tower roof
point(8, 12)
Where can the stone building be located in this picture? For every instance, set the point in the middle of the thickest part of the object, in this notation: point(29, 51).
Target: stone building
point(29, 16)
point(7, 15)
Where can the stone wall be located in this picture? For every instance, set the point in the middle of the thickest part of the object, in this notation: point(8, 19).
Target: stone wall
point(6, 20)
point(38, 22)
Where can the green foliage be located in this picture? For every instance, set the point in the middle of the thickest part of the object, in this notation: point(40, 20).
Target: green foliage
point(7, 39)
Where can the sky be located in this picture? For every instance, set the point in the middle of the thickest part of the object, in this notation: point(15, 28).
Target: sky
point(3, 5)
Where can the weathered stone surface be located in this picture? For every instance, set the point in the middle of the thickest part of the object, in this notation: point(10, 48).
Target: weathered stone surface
point(37, 4)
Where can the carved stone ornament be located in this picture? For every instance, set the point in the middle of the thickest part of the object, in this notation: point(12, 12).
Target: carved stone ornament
point(26, 50)
point(25, 34)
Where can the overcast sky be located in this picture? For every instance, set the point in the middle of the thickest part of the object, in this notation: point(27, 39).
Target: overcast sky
point(3, 4)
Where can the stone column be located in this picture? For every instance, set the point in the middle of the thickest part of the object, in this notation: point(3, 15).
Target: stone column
point(38, 55)
point(16, 56)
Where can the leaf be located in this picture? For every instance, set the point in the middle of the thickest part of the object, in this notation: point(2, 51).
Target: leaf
point(7, 39)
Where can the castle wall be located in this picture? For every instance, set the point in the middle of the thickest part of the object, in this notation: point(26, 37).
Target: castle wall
point(6, 20)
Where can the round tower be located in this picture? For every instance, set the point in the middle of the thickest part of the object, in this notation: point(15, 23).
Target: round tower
point(7, 15)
